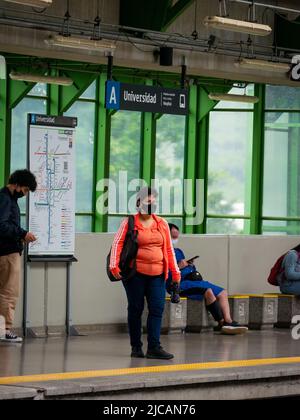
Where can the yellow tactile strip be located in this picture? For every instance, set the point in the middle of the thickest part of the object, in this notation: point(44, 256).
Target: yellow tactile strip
point(147, 370)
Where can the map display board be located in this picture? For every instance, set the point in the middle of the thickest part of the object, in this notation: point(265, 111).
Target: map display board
point(51, 154)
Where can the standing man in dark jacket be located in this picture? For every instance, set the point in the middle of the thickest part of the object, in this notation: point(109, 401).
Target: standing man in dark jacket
point(12, 238)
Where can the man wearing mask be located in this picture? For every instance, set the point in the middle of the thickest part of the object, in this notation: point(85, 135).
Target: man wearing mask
point(12, 239)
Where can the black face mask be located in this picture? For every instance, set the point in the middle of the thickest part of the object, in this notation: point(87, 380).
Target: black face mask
point(148, 208)
point(19, 195)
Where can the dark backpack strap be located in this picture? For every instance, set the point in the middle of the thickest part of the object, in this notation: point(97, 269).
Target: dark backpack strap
point(130, 223)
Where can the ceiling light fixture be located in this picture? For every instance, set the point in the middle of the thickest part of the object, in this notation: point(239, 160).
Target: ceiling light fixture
point(233, 98)
point(241, 26)
point(36, 78)
point(32, 3)
point(80, 43)
point(264, 65)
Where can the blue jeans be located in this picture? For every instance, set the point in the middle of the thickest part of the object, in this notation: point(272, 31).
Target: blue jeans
point(153, 288)
point(290, 288)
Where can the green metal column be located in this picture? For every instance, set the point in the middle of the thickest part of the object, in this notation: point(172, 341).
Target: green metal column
point(4, 132)
point(102, 137)
point(53, 104)
point(148, 144)
point(190, 156)
point(258, 162)
point(202, 167)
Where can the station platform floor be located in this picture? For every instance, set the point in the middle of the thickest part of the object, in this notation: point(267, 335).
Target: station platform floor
point(205, 366)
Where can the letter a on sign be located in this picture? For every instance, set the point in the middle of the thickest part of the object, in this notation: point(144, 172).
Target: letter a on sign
point(113, 95)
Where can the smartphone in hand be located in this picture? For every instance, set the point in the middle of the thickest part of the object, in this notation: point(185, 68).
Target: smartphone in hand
point(191, 261)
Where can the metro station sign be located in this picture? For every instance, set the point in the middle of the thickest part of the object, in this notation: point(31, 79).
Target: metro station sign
point(141, 98)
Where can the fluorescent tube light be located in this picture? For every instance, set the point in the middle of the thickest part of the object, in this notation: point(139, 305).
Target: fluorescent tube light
point(233, 98)
point(241, 26)
point(32, 3)
point(35, 78)
point(80, 43)
point(264, 65)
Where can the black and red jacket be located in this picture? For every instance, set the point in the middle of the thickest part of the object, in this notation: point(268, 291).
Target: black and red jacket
point(11, 233)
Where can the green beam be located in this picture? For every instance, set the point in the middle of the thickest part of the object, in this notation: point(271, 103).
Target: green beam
point(148, 144)
point(102, 159)
point(53, 103)
point(190, 156)
point(4, 132)
point(257, 162)
point(70, 94)
point(175, 11)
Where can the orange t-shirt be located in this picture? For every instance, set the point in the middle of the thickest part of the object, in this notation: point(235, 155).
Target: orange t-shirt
point(150, 257)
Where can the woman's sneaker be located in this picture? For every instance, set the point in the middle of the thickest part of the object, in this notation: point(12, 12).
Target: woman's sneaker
point(137, 353)
point(10, 337)
point(159, 353)
point(233, 329)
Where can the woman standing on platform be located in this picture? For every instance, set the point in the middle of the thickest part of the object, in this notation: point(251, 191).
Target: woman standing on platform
point(155, 257)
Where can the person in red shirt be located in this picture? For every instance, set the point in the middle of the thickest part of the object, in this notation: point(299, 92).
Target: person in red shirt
point(155, 258)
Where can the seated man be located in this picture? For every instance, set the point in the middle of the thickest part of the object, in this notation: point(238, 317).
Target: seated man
point(289, 278)
point(194, 287)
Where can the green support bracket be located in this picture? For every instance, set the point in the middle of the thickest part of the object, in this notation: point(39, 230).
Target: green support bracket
point(70, 94)
point(112, 112)
point(206, 104)
point(190, 156)
point(102, 159)
point(257, 162)
point(158, 116)
point(175, 11)
point(148, 144)
point(18, 91)
point(4, 132)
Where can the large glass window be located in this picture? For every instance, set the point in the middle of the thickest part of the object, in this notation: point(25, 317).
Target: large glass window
point(169, 168)
point(124, 163)
point(282, 165)
point(19, 129)
point(249, 91)
point(281, 191)
point(34, 103)
point(282, 97)
point(84, 110)
point(229, 170)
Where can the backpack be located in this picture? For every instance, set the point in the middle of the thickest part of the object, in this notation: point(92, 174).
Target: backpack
point(128, 255)
point(276, 270)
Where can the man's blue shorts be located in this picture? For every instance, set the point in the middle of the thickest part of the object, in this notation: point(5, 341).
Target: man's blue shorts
point(188, 285)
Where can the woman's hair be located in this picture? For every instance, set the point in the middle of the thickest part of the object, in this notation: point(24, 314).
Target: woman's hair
point(172, 226)
point(23, 178)
point(297, 248)
point(145, 192)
